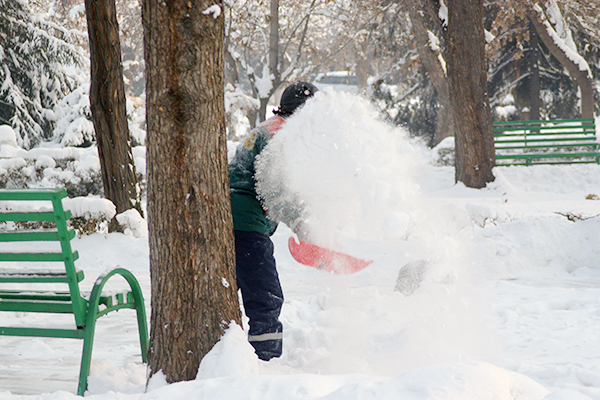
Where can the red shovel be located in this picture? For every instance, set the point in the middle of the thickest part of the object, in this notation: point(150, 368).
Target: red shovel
point(325, 259)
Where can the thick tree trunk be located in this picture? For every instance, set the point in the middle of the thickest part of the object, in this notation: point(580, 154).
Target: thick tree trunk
point(581, 77)
point(192, 260)
point(424, 18)
point(109, 113)
point(467, 72)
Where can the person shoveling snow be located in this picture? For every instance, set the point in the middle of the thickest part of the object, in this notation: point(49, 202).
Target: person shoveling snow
point(255, 264)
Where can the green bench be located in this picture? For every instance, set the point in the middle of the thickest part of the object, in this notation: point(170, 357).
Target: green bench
point(546, 142)
point(24, 289)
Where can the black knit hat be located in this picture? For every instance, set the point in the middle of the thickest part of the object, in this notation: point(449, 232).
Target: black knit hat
point(294, 96)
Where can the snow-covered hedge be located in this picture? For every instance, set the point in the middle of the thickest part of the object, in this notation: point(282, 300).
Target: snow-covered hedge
point(443, 153)
point(75, 169)
point(238, 105)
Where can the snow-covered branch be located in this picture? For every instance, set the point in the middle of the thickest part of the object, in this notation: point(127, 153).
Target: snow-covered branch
point(561, 35)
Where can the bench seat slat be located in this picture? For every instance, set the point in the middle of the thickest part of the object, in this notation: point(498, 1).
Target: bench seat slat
point(38, 295)
point(528, 139)
point(540, 129)
point(34, 236)
point(545, 155)
point(36, 276)
point(108, 300)
point(557, 161)
point(43, 332)
point(37, 305)
point(31, 216)
point(33, 194)
point(39, 257)
point(543, 121)
point(540, 147)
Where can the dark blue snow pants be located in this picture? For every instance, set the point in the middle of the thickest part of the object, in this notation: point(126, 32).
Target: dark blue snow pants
point(261, 292)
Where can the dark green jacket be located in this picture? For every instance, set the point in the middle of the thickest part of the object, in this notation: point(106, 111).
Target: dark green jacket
point(248, 213)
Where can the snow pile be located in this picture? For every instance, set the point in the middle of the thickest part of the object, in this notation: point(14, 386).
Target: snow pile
point(448, 382)
point(133, 223)
point(232, 356)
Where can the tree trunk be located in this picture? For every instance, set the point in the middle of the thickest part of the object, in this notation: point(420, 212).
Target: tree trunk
point(424, 18)
point(274, 42)
point(262, 111)
point(581, 77)
point(273, 60)
point(364, 62)
point(467, 73)
point(192, 256)
point(534, 81)
point(109, 113)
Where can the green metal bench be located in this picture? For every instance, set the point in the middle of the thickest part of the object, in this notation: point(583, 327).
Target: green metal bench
point(19, 284)
point(546, 142)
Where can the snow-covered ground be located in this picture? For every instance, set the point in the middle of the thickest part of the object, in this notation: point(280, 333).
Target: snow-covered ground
point(508, 308)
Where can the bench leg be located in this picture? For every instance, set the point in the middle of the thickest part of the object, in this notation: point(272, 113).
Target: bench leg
point(140, 308)
point(142, 325)
point(92, 316)
point(86, 357)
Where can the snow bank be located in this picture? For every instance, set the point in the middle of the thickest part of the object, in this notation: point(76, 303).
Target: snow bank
point(447, 382)
point(232, 356)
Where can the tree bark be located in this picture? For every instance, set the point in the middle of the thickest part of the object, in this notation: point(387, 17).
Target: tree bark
point(274, 42)
point(273, 59)
point(534, 80)
point(467, 72)
point(192, 259)
point(423, 16)
point(109, 113)
point(581, 77)
point(262, 110)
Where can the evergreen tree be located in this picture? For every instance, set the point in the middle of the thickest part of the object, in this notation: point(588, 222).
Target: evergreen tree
point(35, 58)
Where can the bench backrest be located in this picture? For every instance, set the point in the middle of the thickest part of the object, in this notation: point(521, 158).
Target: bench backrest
point(57, 217)
point(573, 139)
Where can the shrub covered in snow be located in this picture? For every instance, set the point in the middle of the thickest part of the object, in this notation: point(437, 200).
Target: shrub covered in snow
point(90, 214)
point(73, 168)
point(77, 170)
point(133, 223)
point(443, 153)
point(237, 106)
